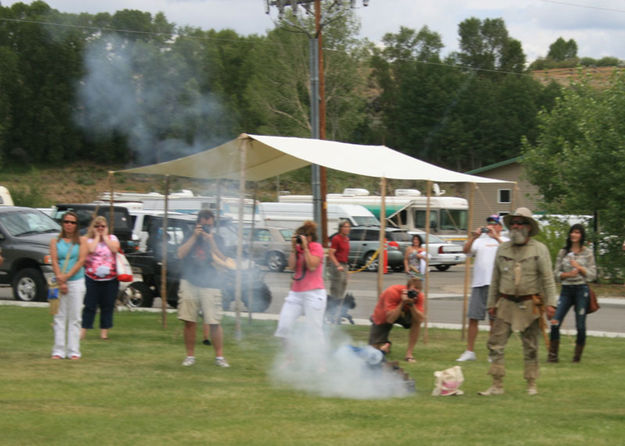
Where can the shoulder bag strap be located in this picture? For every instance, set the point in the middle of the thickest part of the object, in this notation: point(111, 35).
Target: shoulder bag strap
point(69, 252)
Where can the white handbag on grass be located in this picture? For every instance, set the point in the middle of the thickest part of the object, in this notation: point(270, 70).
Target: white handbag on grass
point(448, 382)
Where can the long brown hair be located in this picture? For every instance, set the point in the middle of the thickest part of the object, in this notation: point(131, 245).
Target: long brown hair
point(309, 228)
point(76, 235)
point(95, 221)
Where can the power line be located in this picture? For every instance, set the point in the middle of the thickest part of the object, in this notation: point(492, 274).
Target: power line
point(598, 8)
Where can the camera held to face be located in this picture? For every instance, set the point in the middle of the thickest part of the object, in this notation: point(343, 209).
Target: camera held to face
point(412, 294)
point(485, 230)
point(298, 239)
point(206, 228)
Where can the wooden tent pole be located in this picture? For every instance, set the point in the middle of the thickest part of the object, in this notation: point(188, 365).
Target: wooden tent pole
point(467, 263)
point(111, 203)
point(382, 234)
point(164, 250)
point(238, 287)
point(427, 261)
point(250, 284)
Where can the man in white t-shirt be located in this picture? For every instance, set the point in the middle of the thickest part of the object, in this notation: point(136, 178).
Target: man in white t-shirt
point(482, 244)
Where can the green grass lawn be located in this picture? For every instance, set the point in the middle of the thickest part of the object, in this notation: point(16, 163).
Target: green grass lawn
point(133, 390)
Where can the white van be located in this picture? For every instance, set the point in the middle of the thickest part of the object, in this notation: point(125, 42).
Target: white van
point(292, 215)
point(5, 197)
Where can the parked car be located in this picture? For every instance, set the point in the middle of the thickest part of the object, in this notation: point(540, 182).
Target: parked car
point(142, 221)
point(270, 246)
point(25, 236)
point(122, 227)
point(365, 241)
point(443, 254)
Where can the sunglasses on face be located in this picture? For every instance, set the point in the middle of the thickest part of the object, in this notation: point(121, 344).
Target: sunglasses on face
point(519, 222)
point(70, 222)
point(100, 226)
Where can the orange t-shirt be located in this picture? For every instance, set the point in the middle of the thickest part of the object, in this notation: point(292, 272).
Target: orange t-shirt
point(389, 300)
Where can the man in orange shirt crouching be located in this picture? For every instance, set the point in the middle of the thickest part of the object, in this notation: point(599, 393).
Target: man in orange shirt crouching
point(398, 304)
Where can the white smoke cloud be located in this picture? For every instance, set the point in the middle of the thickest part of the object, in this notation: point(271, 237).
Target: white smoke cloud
point(337, 369)
point(151, 96)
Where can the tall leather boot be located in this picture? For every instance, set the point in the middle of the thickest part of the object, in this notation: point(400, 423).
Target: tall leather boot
point(577, 357)
point(554, 345)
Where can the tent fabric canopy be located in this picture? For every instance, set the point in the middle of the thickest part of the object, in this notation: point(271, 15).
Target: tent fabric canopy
point(269, 156)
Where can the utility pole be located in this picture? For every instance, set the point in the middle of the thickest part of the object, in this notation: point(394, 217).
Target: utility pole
point(317, 90)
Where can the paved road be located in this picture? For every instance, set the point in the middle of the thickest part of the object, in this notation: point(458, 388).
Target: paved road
point(445, 302)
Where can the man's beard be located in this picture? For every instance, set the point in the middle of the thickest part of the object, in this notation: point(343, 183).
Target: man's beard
point(519, 236)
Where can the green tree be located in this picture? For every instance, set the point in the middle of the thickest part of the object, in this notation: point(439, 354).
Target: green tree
point(562, 50)
point(279, 91)
point(486, 45)
point(47, 66)
point(579, 156)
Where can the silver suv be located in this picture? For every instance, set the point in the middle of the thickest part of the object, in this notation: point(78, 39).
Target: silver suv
point(25, 236)
point(364, 241)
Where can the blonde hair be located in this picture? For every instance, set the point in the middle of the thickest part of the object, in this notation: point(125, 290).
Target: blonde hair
point(94, 222)
point(415, 282)
point(76, 235)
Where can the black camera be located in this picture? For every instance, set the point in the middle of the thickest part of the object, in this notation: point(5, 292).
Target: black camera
point(412, 294)
point(485, 230)
point(206, 228)
point(298, 239)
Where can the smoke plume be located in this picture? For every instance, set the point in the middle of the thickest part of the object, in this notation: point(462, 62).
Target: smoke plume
point(149, 94)
point(335, 369)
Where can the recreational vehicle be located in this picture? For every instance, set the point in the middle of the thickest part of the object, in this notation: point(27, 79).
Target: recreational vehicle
point(406, 210)
point(292, 215)
point(186, 202)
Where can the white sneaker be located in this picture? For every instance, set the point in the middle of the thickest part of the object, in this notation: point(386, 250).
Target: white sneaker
point(467, 356)
point(221, 362)
point(189, 360)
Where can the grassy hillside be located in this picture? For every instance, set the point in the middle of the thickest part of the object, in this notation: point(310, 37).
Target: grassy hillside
point(43, 186)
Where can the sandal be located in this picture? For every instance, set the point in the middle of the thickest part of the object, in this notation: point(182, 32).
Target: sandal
point(410, 359)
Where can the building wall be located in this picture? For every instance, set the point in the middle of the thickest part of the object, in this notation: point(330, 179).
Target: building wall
point(486, 196)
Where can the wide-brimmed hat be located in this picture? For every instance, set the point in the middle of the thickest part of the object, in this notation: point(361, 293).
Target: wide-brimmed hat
point(526, 214)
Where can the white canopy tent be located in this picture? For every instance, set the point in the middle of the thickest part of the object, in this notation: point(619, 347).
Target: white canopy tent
point(256, 157)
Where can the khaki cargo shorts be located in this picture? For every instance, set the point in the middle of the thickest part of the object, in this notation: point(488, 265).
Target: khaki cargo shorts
point(192, 299)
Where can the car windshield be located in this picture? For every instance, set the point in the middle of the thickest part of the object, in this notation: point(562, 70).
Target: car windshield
point(399, 236)
point(432, 239)
point(28, 223)
point(366, 221)
point(453, 220)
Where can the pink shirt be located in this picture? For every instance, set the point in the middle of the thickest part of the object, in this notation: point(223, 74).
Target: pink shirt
point(310, 280)
point(100, 264)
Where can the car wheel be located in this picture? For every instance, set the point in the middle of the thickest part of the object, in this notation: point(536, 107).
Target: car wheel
point(262, 299)
point(371, 266)
point(275, 261)
point(136, 295)
point(29, 285)
point(443, 267)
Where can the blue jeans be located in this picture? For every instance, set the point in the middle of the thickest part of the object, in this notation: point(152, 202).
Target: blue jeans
point(572, 295)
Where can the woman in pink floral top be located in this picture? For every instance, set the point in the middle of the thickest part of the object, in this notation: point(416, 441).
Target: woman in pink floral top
point(100, 277)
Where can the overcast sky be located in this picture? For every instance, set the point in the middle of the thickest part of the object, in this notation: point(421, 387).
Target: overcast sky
point(598, 26)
